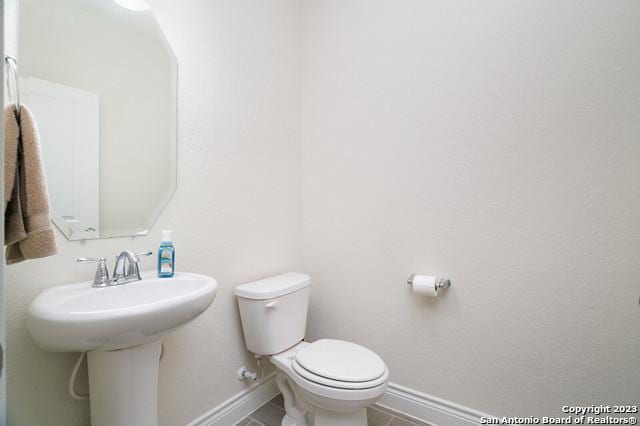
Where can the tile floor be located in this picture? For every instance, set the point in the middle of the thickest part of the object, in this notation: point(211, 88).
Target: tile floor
point(271, 413)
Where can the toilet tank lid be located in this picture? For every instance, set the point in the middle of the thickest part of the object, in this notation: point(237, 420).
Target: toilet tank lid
point(277, 286)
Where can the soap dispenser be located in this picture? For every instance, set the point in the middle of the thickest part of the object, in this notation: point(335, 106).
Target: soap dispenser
point(166, 256)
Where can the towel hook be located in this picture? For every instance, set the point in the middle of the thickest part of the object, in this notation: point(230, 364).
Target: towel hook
point(12, 77)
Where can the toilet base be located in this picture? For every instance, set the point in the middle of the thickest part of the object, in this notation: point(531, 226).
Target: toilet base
point(342, 418)
point(298, 411)
point(288, 421)
point(308, 403)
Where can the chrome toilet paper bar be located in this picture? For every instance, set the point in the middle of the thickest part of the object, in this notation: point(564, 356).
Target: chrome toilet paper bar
point(441, 282)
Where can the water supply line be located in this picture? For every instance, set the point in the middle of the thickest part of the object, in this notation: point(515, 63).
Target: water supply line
point(259, 364)
point(72, 380)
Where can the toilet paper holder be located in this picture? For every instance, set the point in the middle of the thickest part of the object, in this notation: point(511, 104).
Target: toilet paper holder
point(441, 282)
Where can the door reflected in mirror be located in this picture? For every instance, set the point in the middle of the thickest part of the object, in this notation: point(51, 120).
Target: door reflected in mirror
point(101, 81)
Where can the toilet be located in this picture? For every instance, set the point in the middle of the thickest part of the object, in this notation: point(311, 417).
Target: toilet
point(324, 383)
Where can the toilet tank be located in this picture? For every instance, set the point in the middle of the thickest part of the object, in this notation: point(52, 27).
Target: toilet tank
point(274, 312)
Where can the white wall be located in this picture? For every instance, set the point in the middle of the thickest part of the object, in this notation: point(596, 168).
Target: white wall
point(68, 43)
point(497, 141)
point(235, 214)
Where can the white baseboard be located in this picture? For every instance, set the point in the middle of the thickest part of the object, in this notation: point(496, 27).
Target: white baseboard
point(433, 410)
point(240, 405)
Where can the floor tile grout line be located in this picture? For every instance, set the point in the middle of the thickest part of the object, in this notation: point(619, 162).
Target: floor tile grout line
point(257, 421)
point(276, 405)
point(402, 417)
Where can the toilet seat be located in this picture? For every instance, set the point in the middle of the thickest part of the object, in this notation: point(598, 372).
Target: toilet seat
point(340, 364)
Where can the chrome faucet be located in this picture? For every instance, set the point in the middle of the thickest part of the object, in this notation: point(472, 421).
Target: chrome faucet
point(127, 268)
point(132, 269)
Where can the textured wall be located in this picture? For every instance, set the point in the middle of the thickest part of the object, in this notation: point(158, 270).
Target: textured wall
point(497, 141)
point(235, 214)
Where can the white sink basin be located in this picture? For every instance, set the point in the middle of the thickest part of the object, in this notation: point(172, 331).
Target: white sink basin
point(78, 317)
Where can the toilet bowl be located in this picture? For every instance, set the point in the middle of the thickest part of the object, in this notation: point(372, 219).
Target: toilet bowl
point(325, 383)
point(320, 374)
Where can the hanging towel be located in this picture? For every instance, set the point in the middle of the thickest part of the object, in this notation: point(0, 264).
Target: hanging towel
point(13, 223)
point(28, 231)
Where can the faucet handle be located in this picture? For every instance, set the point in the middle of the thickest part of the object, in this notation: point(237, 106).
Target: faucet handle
point(101, 278)
point(91, 259)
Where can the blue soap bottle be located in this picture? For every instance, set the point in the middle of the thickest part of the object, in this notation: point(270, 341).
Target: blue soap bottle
point(166, 256)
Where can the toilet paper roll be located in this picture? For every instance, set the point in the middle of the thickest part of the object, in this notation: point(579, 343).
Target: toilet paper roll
point(425, 285)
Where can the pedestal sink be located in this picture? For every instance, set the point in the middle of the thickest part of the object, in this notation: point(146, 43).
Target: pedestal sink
point(121, 328)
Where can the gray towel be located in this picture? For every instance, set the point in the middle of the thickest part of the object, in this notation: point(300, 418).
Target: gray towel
point(28, 231)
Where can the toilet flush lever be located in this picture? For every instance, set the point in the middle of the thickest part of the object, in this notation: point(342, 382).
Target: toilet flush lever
point(271, 305)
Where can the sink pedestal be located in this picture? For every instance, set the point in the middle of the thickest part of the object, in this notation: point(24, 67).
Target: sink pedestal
point(123, 386)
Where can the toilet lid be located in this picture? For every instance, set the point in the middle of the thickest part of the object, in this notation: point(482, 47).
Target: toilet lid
point(339, 384)
point(341, 361)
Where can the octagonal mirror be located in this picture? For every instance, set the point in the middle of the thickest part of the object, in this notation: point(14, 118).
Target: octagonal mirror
point(101, 80)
